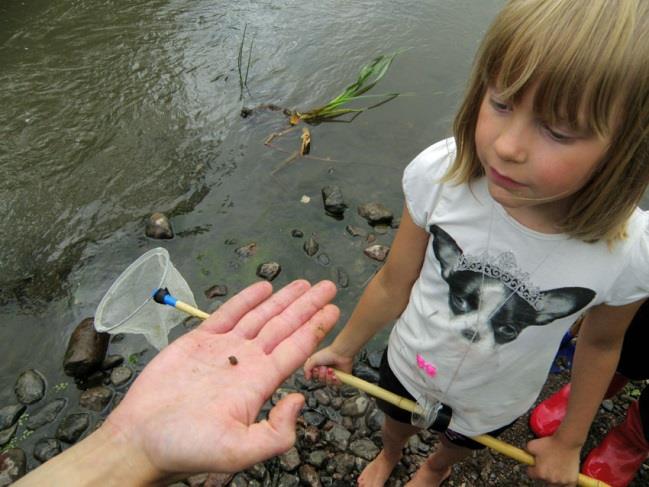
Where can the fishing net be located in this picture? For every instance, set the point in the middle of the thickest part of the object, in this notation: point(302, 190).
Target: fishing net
point(128, 306)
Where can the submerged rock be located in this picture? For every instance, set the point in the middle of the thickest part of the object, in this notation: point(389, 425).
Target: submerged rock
point(159, 227)
point(311, 246)
point(96, 398)
point(7, 434)
point(377, 252)
point(375, 213)
point(86, 350)
point(247, 250)
point(13, 465)
point(342, 277)
point(216, 291)
point(30, 387)
point(120, 376)
point(72, 427)
point(10, 414)
point(334, 202)
point(46, 449)
point(295, 233)
point(269, 270)
point(46, 414)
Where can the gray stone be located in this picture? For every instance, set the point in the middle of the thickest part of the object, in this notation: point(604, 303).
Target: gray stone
point(96, 398)
point(158, 227)
point(112, 361)
point(269, 270)
point(72, 427)
point(333, 200)
point(10, 414)
point(607, 405)
point(375, 419)
point(355, 406)
point(216, 291)
point(377, 252)
point(247, 250)
point(46, 448)
point(311, 246)
point(381, 229)
point(342, 277)
point(366, 373)
point(46, 414)
point(86, 350)
point(290, 460)
point(317, 458)
point(309, 476)
point(364, 448)
point(258, 471)
point(323, 259)
point(338, 437)
point(120, 376)
point(355, 231)
point(297, 233)
point(322, 396)
point(311, 435)
point(239, 480)
point(344, 463)
point(13, 465)
point(288, 480)
point(313, 418)
point(8, 433)
point(375, 213)
point(30, 387)
point(374, 358)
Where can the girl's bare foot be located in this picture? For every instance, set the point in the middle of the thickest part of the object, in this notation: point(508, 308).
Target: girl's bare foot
point(378, 470)
point(428, 477)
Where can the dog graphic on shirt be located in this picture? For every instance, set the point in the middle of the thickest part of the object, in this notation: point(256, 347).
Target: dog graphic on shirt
point(506, 305)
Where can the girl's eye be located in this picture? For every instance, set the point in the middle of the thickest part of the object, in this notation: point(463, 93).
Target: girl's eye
point(557, 136)
point(499, 105)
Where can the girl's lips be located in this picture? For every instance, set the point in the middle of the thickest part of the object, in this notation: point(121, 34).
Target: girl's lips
point(503, 181)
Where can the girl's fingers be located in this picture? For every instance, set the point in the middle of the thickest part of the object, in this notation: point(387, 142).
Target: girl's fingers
point(235, 308)
point(296, 315)
point(293, 351)
point(258, 317)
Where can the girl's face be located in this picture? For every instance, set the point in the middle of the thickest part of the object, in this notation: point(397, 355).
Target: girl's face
point(533, 169)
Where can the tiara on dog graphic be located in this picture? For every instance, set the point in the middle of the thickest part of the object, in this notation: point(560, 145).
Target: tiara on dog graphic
point(502, 267)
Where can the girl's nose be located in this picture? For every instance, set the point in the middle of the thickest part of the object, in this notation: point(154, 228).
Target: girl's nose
point(510, 143)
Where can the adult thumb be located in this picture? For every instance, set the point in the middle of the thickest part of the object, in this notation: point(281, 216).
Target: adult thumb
point(283, 418)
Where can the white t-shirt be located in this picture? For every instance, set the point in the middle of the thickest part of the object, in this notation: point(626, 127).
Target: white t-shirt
point(533, 287)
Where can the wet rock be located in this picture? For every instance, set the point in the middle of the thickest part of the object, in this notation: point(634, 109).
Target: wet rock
point(30, 387)
point(112, 361)
point(86, 350)
point(288, 480)
point(245, 112)
point(46, 448)
point(46, 415)
point(247, 250)
point(375, 213)
point(216, 291)
point(317, 458)
point(355, 406)
point(364, 448)
point(395, 223)
point(95, 379)
point(311, 435)
point(364, 372)
point(343, 464)
point(290, 460)
point(309, 476)
point(377, 252)
point(607, 405)
point(313, 418)
point(269, 270)
point(322, 396)
point(13, 465)
point(338, 437)
point(323, 259)
point(120, 376)
point(7, 434)
point(72, 427)
point(381, 229)
point(342, 277)
point(241, 480)
point(311, 246)
point(333, 200)
point(355, 231)
point(10, 414)
point(374, 358)
point(295, 233)
point(95, 398)
point(158, 227)
point(258, 471)
point(375, 419)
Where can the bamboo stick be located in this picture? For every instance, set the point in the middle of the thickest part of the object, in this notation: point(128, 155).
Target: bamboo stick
point(190, 310)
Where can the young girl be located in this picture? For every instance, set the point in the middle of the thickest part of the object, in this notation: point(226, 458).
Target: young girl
point(524, 220)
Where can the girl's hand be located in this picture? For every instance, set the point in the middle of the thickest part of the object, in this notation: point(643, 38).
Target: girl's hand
point(556, 463)
point(319, 365)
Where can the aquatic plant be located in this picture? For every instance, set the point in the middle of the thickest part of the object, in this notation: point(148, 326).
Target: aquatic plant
point(370, 74)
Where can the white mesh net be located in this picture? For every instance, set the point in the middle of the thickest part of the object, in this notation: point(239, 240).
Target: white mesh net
point(128, 306)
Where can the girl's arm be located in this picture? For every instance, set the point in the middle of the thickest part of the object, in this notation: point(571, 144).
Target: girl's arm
point(384, 299)
point(596, 358)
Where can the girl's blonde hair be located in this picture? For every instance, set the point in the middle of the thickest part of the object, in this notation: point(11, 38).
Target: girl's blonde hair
point(590, 63)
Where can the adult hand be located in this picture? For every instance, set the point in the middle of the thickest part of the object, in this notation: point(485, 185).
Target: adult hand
point(318, 366)
point(555, 462)
point(194, 406)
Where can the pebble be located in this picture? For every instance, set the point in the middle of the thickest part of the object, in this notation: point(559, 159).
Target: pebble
point(7, 434)
point(10, 414)
point(216, 291)
point(333, 200)
point(30, 387)
point(46, 414)
point(375, 213)
point(311, 246)
point(120, 376)
point(290, 460)
point(158, 227)
point(377, 252)
point(269, 270)
point(247, 250)
point(95, 398)
point(342, 277)
point(295, 233)
point(13, 465)
point(72, 427)
point(86, 350)
point(46, 448)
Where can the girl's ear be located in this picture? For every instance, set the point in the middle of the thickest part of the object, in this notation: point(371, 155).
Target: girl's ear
point(446, 250)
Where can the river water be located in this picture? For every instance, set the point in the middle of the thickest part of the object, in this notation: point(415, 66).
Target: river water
point(111, 110)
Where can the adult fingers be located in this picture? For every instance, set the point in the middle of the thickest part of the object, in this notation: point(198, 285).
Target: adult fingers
point(255, 320)
point(296, 315)
point(229, 314)
point(293, 351)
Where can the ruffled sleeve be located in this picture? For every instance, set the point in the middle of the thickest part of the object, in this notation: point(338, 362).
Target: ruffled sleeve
point(632, 283)
point(421, 180)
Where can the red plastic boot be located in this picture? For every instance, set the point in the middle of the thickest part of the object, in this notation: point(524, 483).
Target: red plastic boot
point(547, 416)
point(621, 453)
